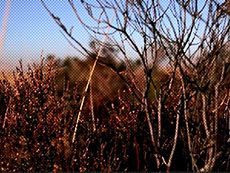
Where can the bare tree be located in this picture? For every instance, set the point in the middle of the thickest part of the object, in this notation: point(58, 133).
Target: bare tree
point(189, 36)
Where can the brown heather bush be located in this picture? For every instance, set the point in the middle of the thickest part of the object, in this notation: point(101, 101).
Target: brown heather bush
point(36, 126)
point(36, 122)
point(177, 120)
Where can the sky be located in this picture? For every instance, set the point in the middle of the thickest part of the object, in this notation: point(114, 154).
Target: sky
point(31, 30)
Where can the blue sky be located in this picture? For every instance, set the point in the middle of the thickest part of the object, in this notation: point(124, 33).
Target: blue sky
point(31, 29)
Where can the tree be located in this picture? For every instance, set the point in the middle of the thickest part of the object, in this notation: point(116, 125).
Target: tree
point(191, 35)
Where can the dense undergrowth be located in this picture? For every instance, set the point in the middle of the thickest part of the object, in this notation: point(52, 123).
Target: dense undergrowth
point(36, 126)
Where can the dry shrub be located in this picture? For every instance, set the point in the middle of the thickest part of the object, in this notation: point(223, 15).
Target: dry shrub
point(36, 120)
point(37, 124)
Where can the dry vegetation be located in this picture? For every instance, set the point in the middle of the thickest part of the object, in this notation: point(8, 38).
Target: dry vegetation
point(37, 123)
point(136, 116)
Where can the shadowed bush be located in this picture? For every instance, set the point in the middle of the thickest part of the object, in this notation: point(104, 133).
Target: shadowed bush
point(37, 126)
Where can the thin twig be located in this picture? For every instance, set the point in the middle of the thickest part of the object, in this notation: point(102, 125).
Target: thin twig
point(7, 113)
point(91, 107)
point(204, 115)
point(159, 118)
point(186, 121)
point(174, 142)
point(90, 77)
